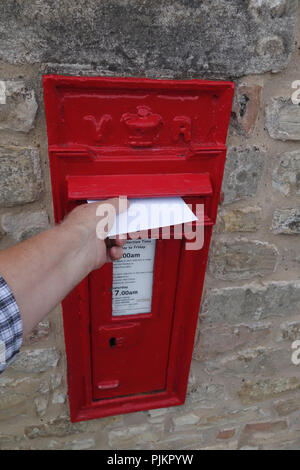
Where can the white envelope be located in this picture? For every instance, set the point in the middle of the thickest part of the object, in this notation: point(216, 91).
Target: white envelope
point(151, 213)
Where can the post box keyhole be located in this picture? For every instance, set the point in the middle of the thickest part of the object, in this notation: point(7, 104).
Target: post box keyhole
point(112, 342)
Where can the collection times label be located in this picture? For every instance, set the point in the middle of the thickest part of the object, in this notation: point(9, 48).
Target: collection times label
point(133, 278)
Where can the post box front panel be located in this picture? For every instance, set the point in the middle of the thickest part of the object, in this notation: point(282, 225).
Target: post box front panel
point(130, 352)
point(130, 326)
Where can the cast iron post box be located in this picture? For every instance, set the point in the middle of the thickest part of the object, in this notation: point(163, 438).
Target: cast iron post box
point(140, 138)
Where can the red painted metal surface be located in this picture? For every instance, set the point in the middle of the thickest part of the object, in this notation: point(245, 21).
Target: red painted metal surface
point(139, 186)
point(141, 138)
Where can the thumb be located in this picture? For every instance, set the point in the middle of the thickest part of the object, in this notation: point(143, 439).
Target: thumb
point(120, 203)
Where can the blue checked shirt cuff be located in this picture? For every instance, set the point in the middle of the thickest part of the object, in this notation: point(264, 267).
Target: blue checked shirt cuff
point(11, 330)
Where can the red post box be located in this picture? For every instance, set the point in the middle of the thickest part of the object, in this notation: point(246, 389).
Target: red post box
point(140, 138)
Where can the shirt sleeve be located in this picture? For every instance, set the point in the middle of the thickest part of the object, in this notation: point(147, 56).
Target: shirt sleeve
point(11, 330)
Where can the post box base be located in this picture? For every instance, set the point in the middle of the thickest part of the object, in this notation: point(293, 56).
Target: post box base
point(98, 409)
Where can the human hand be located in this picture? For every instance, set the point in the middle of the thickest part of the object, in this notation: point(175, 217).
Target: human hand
point(83, 221)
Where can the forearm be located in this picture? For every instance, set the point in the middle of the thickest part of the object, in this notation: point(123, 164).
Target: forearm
point(41, 271)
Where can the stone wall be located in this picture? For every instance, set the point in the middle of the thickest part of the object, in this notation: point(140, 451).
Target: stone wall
point(244, 389)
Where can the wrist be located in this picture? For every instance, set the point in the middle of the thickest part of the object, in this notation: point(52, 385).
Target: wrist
point(79, 255)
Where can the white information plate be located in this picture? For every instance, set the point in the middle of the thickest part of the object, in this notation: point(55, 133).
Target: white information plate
point(133, 278)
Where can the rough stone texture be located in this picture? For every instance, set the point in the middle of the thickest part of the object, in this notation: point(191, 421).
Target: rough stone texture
point(286, 175)
point(20, 176)
point(41, 405)
point(24, 225)
point(287, 406)
point(283, 119)
point(286, 221)
point(36, 360)
point(243, 171)
point(290, 442)
point(245, 108)
point(18, 107)
point(257, 361)
point(157, 416)
point(22, 384)
point(252, 302)
point(184, 421)
point(8, 442)
point(267, 426)
point(55, 380)
point(226, 434)
point(232, 39)
point(260, 433)
point(180, 441)
point(215, 340)
point(232, 445)
point(289, 331)
point(16, 396)
point(133, 436)
point(246, 219)
point(41, 331)
point(242, 259)
point(210, 421)
point(73, 444)
point(205, 394)
point(76, 444)
point(254, 391)
point(58, 398)
point(58, 426)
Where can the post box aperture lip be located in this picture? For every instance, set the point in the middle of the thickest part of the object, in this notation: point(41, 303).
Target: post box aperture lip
point(138, 185)
point(137, 138)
